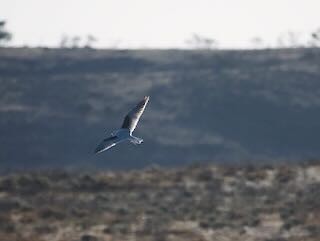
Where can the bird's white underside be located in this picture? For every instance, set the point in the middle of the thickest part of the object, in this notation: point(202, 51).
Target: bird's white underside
point(121, 136)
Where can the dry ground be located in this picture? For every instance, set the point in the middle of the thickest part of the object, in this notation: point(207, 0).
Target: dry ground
point(199, 202)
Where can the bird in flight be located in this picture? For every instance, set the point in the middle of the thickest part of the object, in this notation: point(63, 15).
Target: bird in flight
point(125, 132)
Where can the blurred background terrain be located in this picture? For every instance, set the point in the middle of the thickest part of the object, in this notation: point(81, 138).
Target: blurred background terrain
point(206, 105)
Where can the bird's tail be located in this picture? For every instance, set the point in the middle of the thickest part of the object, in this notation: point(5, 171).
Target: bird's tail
point(136, 140)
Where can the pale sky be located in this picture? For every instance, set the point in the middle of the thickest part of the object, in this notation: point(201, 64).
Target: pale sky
point(158, 23)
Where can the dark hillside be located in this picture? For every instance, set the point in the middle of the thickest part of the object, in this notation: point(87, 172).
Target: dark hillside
point(56, 105)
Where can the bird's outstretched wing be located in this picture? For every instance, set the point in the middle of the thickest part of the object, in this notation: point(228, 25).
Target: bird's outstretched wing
point(131, 120)
point(106, 144)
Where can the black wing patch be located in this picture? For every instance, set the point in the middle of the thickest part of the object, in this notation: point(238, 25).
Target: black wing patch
point(131, 120)
point(127, 122)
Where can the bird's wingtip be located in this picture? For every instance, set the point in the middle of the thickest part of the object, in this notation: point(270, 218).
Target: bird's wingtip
point(99, 149)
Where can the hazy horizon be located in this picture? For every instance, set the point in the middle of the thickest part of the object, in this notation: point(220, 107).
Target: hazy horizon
point(159, 24)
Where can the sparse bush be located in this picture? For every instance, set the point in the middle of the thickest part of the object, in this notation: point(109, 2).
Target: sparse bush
point(7, 205)
point(252, 222)
point(315, 38)
point(200, 42)
point(218, 225)
point(285, 175)
point(79, 213)
point(29, 218)
point(122, 211)
point(204, 175)
point(90, 41)
point(287, 212)
point(120, 227)
point(8, 185)
point(310, 197)
point(107, 230)
point(89, 237)
point(32, 184)
point(255, 174)
point(314, 230)
point(228, 171)
point(276, 239)
point(50, 213)
point(204, 224)
point(89, 183)
point(6, 225)
point(289, 223)
point(45, 229)
point(5, 36)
